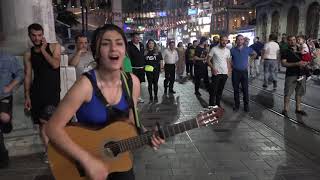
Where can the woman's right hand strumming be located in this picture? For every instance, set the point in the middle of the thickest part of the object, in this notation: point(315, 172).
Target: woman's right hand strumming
point(95, 169)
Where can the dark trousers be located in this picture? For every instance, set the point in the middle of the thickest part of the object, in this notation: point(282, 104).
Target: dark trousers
point(153, 78)
point(4, 158)
point(216, 89)
point(200, 72)
point(240, 77)
point(189, 68)
point(2, 146)
point(169, 73)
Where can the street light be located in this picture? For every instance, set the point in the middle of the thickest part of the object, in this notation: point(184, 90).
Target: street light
point(72, 9)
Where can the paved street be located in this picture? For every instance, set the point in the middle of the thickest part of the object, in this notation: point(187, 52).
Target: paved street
point(261, 144)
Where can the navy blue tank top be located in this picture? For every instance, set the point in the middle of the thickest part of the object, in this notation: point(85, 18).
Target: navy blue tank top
point(96, 113)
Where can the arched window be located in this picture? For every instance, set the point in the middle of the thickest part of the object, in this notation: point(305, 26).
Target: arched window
point(293, 21)
point(275, 23)
point(312, 25)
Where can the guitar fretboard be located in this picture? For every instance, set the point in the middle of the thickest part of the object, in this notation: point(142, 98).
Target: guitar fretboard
point(168, 131)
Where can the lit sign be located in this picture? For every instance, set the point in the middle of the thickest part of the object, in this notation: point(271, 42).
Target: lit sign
point(192, 12)
point(128, 20)
point(162, 14)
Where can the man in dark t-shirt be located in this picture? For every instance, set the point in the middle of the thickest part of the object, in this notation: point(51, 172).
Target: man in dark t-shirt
point(291, 59)
point(200, 66)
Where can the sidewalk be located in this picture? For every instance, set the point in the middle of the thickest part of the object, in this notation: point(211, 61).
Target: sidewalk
point(240, 147)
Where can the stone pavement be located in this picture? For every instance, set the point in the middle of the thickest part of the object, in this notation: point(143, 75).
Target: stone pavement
point(240, 147)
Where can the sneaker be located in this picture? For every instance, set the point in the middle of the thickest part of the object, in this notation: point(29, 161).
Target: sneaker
point(274, 85)
point(151, 98)
point(140, 100)
point(172, 92)
point(45, 158)
point(246, 109)
point(197, 93)
point(301, 112)
point(308, 78)
point(235, 109)
point(155, 99)
point(284, 113)
point(300, 78)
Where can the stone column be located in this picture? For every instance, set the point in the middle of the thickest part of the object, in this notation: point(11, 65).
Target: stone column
point(17, 15)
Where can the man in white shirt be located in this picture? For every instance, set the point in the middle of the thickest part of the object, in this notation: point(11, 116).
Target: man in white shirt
point(270, 56)
point(82, 59)
point(170, 57)
point(220, 69)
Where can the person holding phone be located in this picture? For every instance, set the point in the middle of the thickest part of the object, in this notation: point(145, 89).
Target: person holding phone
point(42, 94)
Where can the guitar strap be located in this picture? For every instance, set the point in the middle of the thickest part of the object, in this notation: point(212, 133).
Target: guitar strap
point(127, 86)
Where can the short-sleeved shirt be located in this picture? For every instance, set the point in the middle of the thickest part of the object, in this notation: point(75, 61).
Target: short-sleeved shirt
point(170, 56)
point(257, 47)
point(190, 53)
point(291, 57)
point(220, 58)
point(153, 58)
point(240, 57)
point(201, 52)
point(271, 50)
point(84, 63)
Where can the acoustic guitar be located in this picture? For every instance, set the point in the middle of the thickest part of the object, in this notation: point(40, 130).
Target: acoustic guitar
point(113, 144)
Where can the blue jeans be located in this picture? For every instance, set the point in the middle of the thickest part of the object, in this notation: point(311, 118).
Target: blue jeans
point(240, 77)
point(270, 70)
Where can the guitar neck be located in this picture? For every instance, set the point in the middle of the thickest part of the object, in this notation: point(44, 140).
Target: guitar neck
point(168, 131)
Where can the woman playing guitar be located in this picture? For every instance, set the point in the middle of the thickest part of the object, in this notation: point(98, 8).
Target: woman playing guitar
point(108, 48)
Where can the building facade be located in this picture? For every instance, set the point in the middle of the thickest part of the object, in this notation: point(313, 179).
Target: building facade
point(293, 17)
point(230, 15)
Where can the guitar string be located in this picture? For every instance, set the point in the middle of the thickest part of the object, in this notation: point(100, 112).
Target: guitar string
point(129, 142)
point(133, 141)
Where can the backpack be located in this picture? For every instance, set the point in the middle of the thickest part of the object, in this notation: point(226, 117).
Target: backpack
point(127, 86)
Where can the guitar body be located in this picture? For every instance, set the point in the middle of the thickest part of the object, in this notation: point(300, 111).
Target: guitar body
point(93, 141)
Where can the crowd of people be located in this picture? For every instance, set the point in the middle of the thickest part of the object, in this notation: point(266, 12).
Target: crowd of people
point(99, 96)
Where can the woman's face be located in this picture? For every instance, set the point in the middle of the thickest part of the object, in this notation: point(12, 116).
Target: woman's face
point(150, 44)
point(112, 50)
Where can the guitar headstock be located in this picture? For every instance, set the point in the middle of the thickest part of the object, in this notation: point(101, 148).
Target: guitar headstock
point(211, 115)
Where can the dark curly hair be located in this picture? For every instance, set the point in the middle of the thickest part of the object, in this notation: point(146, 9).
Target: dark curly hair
point(97, 38)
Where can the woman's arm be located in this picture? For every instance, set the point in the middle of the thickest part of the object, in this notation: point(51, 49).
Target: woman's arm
point(80, 92)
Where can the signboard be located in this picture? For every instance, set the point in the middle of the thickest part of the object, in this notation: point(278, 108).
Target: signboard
point(192, 12)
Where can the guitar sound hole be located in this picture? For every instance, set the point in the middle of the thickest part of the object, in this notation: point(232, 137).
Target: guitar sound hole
point(111, 149)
